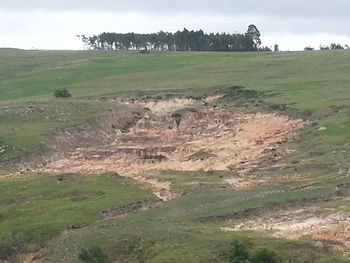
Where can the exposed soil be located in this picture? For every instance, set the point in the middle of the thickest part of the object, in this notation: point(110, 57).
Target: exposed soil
point(163, 108)
point(222, 141)
point(235, 140)
point(126, 209)
point(242, 182)
point(301, 223)
point(72, 228)
point(32, 257)
point(229, 141)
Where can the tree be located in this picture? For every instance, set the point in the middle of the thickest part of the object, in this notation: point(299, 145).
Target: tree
point(308, 48)
point(254, 34)
point(184, 40)
point(336, 46)
point(85, 41)
point(276, 49)
point(265, 49)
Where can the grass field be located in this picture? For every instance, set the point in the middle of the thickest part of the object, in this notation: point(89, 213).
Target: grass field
point(36, 207)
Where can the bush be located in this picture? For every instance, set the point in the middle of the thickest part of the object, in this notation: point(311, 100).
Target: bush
point(201, 156)
point(93, 255)
point(62, 93)
point(157, 157)
point(145, 51)
point(177, 118)
point(265, 256)
point(239, 252)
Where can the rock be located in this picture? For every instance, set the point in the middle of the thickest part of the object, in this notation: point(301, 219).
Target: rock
point(322, 129)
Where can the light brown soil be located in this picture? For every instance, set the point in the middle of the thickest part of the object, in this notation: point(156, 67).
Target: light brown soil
point(164, 107)
point(32, 257)
point(236, 140)
point(244, 181)
point(302, 223)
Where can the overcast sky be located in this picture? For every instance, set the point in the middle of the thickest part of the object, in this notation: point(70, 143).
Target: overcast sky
point(54, 24)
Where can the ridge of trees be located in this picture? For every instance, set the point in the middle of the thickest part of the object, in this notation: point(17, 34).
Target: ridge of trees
point(332, 46)
point(184, 40)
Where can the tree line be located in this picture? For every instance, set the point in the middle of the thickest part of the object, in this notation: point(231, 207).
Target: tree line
point(184, 40)
point(332, 46)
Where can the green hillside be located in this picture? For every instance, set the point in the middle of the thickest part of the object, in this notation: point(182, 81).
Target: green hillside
point(38, 209)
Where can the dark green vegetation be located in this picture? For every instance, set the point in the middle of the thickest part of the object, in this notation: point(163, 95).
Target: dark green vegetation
point(62, 214)
point(62, 93)
point(93, 255)
point(184, 40)
point(240, 253)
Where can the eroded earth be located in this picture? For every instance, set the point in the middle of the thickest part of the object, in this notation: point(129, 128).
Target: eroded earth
point(190, 135)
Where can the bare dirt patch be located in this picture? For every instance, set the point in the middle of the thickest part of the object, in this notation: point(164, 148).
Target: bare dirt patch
point(233, 140)
point(73, 228)
point(300, 224)
point(32, 257)
point(126, 209)
point(244, 181)
point(228, 141)
point(163, 108)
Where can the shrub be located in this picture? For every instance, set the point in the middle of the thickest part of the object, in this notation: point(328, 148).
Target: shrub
point(157, 157)
point(239, 252)
point(201, 156)
point(265, 256)
point(93, 255)
point(62, 93)
point(145, 51)
point(177, 118)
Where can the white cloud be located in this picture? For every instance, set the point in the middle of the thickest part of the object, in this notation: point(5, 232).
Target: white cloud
point(58, 29)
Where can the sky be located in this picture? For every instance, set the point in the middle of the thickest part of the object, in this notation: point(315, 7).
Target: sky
point(54, 24)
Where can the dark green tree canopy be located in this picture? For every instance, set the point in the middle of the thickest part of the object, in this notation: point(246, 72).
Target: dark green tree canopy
point(254, 33)
point(184, 40)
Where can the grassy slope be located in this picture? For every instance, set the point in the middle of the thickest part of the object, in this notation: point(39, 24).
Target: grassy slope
point(35, 208)
point(23, 125)
point(314, 81)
